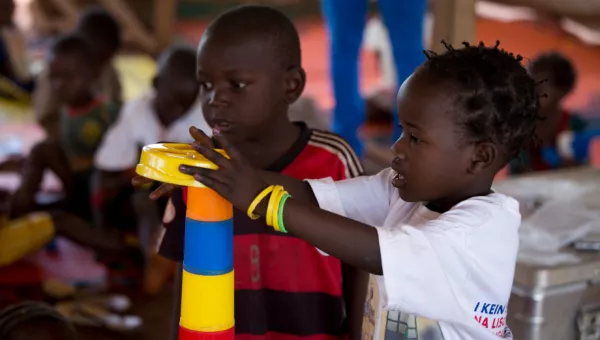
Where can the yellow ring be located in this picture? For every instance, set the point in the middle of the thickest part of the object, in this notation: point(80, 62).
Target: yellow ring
point(257, 201)
point(161, 162)
point(207, 302)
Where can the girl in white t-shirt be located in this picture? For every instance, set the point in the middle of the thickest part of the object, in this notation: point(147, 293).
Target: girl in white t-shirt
point(441, 245)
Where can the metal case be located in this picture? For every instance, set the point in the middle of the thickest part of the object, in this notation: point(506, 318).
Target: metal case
point(557, 302)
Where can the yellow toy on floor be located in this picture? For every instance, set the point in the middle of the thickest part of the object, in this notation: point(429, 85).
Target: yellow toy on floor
point(24, 236)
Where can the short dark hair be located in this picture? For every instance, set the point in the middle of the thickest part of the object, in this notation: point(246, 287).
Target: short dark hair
point(266, 23)
point(74, 44)
point(100, 26)
point(496, 99)
point(562, 73)
point(11, 317)
point(179, 60)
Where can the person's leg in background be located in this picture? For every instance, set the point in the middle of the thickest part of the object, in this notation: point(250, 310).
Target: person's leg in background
point(46, 155)
point(404, 21)
point(345, 21)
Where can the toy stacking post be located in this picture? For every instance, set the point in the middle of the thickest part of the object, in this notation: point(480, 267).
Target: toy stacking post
point(208, 285)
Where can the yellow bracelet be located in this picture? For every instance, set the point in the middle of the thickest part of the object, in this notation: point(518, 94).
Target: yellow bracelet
point(272, 204)
point(274, 208)
point(257, 200)
point(274, 221)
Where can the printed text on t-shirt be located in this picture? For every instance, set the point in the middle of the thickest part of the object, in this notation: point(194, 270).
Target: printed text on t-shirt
point(491, 316)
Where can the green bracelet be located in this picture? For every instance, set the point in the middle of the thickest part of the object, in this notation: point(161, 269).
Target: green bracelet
point(280, 213)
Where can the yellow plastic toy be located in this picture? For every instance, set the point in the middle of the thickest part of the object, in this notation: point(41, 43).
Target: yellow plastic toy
point(208, 284)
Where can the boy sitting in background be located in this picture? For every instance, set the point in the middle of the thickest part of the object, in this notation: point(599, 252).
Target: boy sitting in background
point(163, 114)
point(558, 77)
point(85, 117)
point(104, 35)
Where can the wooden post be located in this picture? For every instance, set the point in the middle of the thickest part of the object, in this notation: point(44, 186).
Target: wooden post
point(132, 27)
point(165, 17)
point(454, 22)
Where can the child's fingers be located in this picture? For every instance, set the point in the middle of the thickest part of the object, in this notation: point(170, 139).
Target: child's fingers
point(208, 179)
point(231, 151)
point(211, 155)
point(206, 173)
point(201, 137)
point(139, 181)
point(163, 190)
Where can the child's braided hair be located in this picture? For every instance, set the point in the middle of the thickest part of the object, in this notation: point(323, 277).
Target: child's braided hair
point(12, 316)
point(496, 99)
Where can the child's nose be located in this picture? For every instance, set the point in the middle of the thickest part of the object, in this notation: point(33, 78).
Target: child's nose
point(398, 148)
point(218, 97)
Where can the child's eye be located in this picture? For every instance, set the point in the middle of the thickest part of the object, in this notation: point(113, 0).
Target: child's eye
point(206, 86)
point(239, 85)
point(415, 139)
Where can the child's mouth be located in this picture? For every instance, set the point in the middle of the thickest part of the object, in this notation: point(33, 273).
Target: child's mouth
point(398, 180)
point(223, 125)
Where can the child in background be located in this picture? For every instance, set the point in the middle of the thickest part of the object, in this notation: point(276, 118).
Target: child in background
point(34, 320)
point(85, 117)
point(425, 226)
point(163, 114)
point(558, 77)
point(250, 72)
point(104, 36)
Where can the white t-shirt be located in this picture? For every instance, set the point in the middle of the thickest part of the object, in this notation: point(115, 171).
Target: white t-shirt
point(445, 276)
point(138, 125)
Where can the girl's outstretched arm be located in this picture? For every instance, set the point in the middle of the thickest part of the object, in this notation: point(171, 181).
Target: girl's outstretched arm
point(351, 241)
point(236, 180)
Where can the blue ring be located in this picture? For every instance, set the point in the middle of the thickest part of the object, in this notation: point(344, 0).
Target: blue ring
point(208, 247)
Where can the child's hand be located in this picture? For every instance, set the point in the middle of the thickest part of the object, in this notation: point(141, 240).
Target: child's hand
point(166, 189)
point(236, 180)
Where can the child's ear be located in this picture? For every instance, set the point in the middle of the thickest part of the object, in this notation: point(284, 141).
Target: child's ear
point(294, 82)
point(484, 156)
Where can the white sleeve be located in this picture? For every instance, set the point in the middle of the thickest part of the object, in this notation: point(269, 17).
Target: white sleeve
point(118, 150)
point(451, 268)
point(365, 198)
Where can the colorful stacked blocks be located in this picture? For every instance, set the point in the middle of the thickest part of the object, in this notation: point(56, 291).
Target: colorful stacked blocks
point(208, 284)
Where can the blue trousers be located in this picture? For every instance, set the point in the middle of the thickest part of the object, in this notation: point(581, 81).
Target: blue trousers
point(345, 21)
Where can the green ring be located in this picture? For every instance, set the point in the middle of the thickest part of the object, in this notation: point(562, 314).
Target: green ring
point(280, 212)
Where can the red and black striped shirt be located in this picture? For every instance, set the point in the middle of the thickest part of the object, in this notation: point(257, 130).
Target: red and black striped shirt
point(285, 288)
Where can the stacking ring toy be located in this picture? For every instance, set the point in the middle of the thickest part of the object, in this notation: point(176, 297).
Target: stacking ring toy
point(208, 286)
